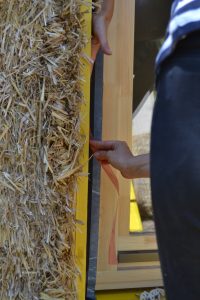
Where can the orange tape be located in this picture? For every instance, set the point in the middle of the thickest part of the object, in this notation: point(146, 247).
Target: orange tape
point(112, 255)
point(113, 178)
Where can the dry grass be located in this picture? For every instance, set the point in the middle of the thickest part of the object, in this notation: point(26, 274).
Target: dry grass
point(141, 145)
point(40, 142)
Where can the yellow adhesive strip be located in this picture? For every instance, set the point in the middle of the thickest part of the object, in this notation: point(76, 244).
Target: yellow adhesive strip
point(135, 219)
point(82, 196)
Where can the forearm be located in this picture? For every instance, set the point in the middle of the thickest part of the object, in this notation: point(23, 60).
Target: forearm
point(139, 167)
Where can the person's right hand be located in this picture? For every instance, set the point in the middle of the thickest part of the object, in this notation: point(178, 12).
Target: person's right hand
point(119, 155)
point(115, 153)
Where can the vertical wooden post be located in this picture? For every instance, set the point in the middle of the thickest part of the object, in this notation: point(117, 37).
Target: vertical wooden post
point(125, 47)
point(117, 123)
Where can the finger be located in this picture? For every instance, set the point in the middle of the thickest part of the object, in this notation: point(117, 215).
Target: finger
point(106, 48)
point(102, 156)
point(102, 145)
point(102, 36)
point(93, 148)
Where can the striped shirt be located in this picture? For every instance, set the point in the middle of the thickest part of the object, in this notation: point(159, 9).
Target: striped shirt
point(185, 18)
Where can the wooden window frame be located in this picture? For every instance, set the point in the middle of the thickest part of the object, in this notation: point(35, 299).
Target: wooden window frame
point(114, 208)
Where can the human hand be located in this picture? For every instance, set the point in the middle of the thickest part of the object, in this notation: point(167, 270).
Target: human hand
point(119, 155)
point(115, 153)
point(100, 22)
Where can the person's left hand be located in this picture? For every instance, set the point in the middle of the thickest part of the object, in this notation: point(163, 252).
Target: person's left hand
point(100, 24)
point(99, 39)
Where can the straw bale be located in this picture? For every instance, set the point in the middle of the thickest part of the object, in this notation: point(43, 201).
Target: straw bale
point(41, 42)
point(141, 145)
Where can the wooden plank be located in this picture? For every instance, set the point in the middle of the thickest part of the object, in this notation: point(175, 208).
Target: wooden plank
point(107, 214)
point(82, 196)
point(137, 256)
point(138, 265)
point(117, 122)
point(129, 279)
point(137, 242)
point(119, 295)
point(124, 43)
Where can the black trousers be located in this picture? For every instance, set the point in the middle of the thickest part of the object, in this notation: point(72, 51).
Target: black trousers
point(175, 170)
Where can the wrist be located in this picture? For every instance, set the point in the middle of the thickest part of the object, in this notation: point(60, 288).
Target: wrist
point(136, 167)
point(128, 166)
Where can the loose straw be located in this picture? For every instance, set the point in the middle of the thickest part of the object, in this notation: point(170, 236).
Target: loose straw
point(40, 143)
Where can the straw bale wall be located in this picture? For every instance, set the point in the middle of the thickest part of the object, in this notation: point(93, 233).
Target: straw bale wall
point(41, 42)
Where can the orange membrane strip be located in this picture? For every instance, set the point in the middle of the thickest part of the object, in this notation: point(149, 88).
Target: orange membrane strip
point(113, 178)
point(112, 255)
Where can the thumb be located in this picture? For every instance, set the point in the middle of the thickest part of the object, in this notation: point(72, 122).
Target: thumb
point(106, 48)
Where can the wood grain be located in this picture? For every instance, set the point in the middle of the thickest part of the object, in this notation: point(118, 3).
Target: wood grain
point(117, 123)
point(129, 279)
